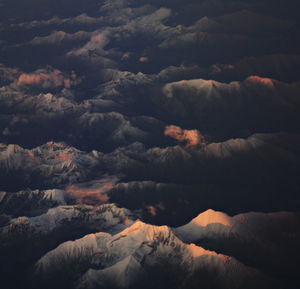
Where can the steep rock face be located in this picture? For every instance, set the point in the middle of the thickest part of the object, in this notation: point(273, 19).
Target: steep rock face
point(49, 165)
point(107, 217)
point(121, 275)
point(213, 249)
point(32, 202)
point(140, 253)
point(37, 235)
point(24, 240)
point(110, 249)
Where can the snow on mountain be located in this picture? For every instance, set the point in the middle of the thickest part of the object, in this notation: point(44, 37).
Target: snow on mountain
point(205, 224)
point(278, 142)
point(213, 224)
point(127, 253)
point(32, 202)
point(106, 217)
point(52, 164)
point(112, 249)
point(126, 258)
point(211, 216)
point(109, 215)
point(266, 241)
point(145, 247)
point(57, 195)
point(72, 251)
point(121, 275)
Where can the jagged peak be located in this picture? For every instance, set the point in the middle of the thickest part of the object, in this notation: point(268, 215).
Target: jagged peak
point(149, 232)
point(85, 246)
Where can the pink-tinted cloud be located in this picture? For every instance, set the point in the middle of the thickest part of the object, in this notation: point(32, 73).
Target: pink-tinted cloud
point(126, 56)
point(144, 59)
point(92, 193)
point(192, 138)
point(154, 210)
point(8, 73)
point(98, 38)
point(47, 79)
point(261, 80)
point(151, 210)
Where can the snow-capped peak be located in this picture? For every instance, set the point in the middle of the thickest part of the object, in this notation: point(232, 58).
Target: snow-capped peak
point(207, 223)
point(210, 217)
point(121, 258)
point(144, 231)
